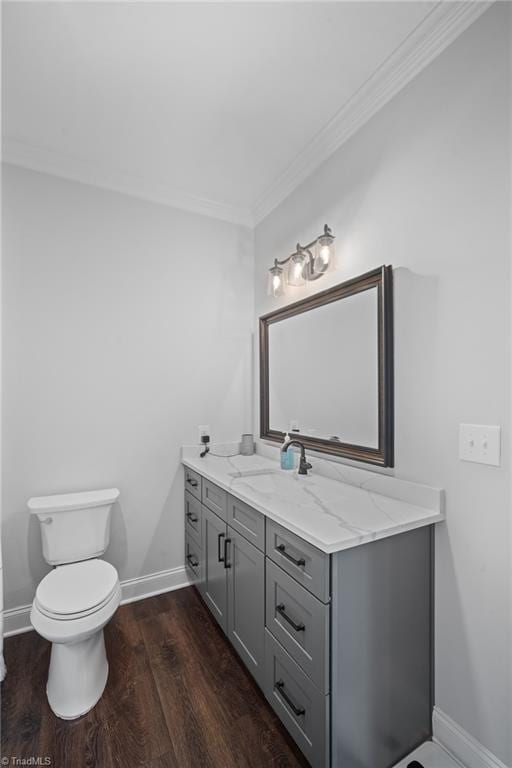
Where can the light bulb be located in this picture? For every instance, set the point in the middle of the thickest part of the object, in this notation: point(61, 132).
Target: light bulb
point(324, 257)
point(296, 269)
point(325, 253)
point(276, 282)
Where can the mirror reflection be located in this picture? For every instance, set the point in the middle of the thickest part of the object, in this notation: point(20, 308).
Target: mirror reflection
point(323, 371)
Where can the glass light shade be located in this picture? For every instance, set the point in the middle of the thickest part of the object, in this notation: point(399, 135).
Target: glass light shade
point(297, 269)
point(276, 281)
point(324, 254)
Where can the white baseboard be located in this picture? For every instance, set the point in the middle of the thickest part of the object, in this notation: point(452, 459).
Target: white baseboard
point(17, 620)
point(154, 584)
point(466, 749)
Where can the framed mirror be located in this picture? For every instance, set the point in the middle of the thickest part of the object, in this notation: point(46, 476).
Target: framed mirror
point(326, 370)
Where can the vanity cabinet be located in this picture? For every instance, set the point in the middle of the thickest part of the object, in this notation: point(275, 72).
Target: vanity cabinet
point(193, 559)
point(247, 521)
point(341, 644)
point(300, 706)
point(231, 572)
point(193, 483)
point(193, 517)
point(304, 562)
point(301, 623)
point(215, 551)
point(246, 603)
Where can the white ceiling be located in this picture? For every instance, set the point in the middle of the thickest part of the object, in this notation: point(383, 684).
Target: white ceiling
point(216, 107)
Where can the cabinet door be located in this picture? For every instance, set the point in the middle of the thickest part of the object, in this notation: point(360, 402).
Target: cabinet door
point(214, 587)
point(246, 602)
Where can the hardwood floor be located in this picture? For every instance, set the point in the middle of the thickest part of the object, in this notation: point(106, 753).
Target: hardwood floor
point(177, 697)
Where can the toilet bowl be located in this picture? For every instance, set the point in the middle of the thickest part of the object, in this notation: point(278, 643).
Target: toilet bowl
point(72, 605)
point(75, 601)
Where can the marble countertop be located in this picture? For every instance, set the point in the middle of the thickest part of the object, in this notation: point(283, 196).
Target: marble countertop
point(332, 514)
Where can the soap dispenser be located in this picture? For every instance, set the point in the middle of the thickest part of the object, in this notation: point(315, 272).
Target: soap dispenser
point(287, 456)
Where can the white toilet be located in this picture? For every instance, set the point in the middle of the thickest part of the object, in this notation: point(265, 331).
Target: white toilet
point(77, 598)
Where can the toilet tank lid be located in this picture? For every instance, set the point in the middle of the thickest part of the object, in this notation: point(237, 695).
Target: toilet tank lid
point(66, 501)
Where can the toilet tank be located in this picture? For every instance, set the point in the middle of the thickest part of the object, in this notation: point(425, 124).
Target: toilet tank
point(74, 526)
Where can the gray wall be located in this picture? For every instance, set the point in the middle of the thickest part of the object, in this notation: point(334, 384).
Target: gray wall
point(126, 324)
point(424, 186)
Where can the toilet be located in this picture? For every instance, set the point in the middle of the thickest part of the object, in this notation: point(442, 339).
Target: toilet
point(77, 598)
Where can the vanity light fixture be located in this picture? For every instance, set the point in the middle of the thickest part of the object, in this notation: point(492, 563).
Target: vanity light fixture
point(307, 262)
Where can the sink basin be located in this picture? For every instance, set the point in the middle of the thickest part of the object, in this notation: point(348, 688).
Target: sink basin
point(253, 472)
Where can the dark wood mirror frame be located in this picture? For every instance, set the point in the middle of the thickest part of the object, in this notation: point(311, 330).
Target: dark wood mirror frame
point(382, 279)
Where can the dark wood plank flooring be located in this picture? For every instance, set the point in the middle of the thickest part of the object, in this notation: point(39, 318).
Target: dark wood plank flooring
point(177, 697)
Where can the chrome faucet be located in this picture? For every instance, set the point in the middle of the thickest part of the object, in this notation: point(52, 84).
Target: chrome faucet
point(303, 464)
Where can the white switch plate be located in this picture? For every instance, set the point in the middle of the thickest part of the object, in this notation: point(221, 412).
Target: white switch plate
point(480, 443)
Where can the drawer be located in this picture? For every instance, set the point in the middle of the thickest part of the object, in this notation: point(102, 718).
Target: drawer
point(215, 498)
point(300, 622)
point(192, 558)
point(193, 517)
point(193, 483)
point(301, 707)
point(307, 564)
point(247, 521)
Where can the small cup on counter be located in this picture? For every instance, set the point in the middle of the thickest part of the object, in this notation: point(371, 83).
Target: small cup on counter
point(247, 445)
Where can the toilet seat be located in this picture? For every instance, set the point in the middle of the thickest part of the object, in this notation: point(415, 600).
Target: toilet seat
point(76, 590)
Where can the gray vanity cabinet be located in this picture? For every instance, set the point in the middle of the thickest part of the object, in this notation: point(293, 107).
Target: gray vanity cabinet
point(193, 483)
point(304, 562)
point(214, 498)
point(215, 589)
point(232, 576)
point(300, 622)
point(193, 559)
point(340, 644)
point(301, 707)
point(247, 521)
point(246, 602)
point(193, 515)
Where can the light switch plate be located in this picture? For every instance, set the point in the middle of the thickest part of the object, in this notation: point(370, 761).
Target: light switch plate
point(480, 443)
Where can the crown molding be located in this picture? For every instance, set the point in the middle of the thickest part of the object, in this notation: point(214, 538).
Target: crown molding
point(57, 164)
point(437, 31)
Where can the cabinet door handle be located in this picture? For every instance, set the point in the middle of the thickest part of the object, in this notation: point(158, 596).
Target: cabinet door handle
point(280, 689)
point(283, 551)
point(297, 627)
point(219, 555)
point(191, 560)
point(226, 542)
point(193, 518)
point(192, 482)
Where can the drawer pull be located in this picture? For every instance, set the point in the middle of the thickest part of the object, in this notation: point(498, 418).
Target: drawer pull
point(226, 542)
point(296, 710)
point(281, 549)
point(192, 482)
point(219, 556)
point(297, 627)
point(193, 518)
point(193, 561)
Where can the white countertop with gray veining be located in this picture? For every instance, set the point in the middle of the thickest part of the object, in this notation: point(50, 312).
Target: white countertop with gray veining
point(332, 514)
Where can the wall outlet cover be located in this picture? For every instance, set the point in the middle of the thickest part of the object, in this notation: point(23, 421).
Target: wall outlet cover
point(203, 429)
point(480, 443)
